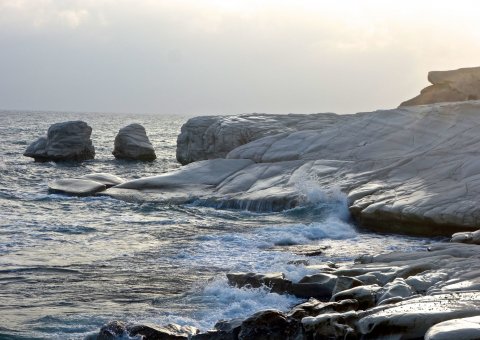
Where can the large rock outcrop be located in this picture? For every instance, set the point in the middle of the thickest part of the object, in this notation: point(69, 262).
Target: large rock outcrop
point(132, 143)
point(210, 137)
point(68, 141)
point(449, 86)
point(411, 170)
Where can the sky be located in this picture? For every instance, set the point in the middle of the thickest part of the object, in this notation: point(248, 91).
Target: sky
point(197, 57)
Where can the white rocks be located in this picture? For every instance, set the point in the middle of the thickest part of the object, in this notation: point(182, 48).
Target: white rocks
point(449, 86)
point(68, 141)
point(211, 137)
point(412, 170)
point(132, 143)
point(457, 329)
point(76, 187)
point(86, 185)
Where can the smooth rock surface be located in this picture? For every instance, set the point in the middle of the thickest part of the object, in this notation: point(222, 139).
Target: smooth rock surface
point(410, 170)
point(108, 180)
point(467, 237)
point(210, 137)
point(456, 329)
point(76, 187)
point(449, 86)
point(132, 143)
point(68, 141)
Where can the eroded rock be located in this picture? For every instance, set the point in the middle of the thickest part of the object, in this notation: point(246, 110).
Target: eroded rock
point(76, 187)
point(132, 143)
point(68, 141)
point(449, 86)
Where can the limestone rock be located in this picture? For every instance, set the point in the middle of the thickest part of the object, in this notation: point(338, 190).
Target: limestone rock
point(210, 137)
point(458, 329)
point(132, 143)
point(68, 141)
point(76, 187)
point(412, 318)
point(467, 237)
point(449, 86)
point(108, 180)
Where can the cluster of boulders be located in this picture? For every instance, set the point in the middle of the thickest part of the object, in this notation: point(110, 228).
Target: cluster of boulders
point(70, 141)
point(432, 294)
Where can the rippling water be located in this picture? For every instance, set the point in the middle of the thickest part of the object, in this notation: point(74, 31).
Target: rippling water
point(68, 264)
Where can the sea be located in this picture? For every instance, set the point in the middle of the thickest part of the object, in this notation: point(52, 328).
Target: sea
point(68, 265)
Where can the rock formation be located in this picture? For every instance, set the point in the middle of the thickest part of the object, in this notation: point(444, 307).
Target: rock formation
point(210, 137)
point(86, 185)
point(68, 141)
point(449, 86)
point(431, 293)
point(411, 170)
point(132, 143)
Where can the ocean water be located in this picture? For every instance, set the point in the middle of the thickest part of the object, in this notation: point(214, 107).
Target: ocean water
point(69, 264)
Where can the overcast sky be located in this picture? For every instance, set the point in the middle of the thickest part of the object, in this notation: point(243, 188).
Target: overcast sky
point(228, 56)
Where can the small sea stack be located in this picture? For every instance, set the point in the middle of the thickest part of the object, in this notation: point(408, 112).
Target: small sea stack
point(132, 143)
point(67, 141)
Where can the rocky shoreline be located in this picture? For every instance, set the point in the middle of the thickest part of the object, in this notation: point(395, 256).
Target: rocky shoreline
point(431, 294)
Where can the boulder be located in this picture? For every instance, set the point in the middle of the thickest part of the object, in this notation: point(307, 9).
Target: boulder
point(132, 143)
point(76, 187)
point(449, 86)
point(113, 330)
point(168, 332)
point(269, 324)
point(68, 141)
point(458, 329)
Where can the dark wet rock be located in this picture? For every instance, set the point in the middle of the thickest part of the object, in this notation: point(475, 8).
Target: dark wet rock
point(132, 143)
point(330, 326)
point(299, 262)
point(275, 281)
point(68, 141)
point(76, 187)
point(113, 330)
point(456, 329)
point(269, 324)
point(104, 178)
point(314, 307)
point(365, 295)
point(224, 330)
point(168, 332)
point(306, 290)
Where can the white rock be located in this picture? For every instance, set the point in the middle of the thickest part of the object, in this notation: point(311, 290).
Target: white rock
point(456, 329)
point(132, 143)
point(76, 187)
point(108, 180)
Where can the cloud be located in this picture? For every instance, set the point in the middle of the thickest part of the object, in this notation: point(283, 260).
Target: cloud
point(215, 56)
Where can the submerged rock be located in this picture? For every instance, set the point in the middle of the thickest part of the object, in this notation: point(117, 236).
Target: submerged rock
point(68, 141)
point(132, 143)
point(449, 86)
point(76, 187)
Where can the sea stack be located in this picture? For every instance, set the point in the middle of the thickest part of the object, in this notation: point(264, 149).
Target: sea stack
point(132, 143)
point(67, 141)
